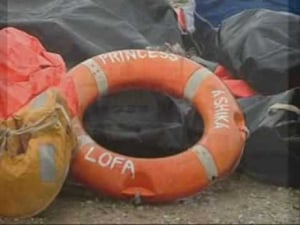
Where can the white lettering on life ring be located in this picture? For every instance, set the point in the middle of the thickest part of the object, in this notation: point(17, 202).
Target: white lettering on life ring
point(128, 55)
point(221, 109)
point(107, 160)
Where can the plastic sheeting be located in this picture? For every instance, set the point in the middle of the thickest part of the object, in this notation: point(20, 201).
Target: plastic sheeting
point(26, 69)
point(258, 46)
point(272, 152)
point(81, 29)
point(216, 11)
point(262, 47)
point(143, 125)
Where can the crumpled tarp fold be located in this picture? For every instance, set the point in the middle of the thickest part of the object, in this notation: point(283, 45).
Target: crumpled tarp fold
point(26, 69)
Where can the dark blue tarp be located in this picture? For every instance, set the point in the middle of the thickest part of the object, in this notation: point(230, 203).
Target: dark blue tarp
point(216, 11)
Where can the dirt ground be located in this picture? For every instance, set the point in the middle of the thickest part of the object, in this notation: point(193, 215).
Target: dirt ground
point(236, 200)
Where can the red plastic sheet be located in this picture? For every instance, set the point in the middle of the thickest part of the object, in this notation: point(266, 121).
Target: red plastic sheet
point(26, 70)
point(239, 88)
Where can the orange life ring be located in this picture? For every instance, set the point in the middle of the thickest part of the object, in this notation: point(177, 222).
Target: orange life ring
point(159, 179)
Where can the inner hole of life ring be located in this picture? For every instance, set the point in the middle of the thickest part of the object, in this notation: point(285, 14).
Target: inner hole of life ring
point(144, 124)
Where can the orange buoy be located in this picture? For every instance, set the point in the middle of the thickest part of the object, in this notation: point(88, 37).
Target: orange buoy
point(215, 155)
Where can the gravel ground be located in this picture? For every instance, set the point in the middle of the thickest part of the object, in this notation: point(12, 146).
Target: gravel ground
point(236, 200)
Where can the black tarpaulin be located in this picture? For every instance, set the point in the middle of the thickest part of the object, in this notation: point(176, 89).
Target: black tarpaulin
point(272, 152)
point(259, 46)
point(81, 29)
point(263, 48)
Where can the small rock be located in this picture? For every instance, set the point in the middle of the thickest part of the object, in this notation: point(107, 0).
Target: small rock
point(177, 219)
point(296, 206)
point(252, 195)
point(140, 208)
point(217, 221)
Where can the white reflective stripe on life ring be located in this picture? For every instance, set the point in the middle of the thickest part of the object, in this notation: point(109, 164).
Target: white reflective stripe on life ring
point(207, 161)
point(194, 82)
point(98, 74)
point(84, 139)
